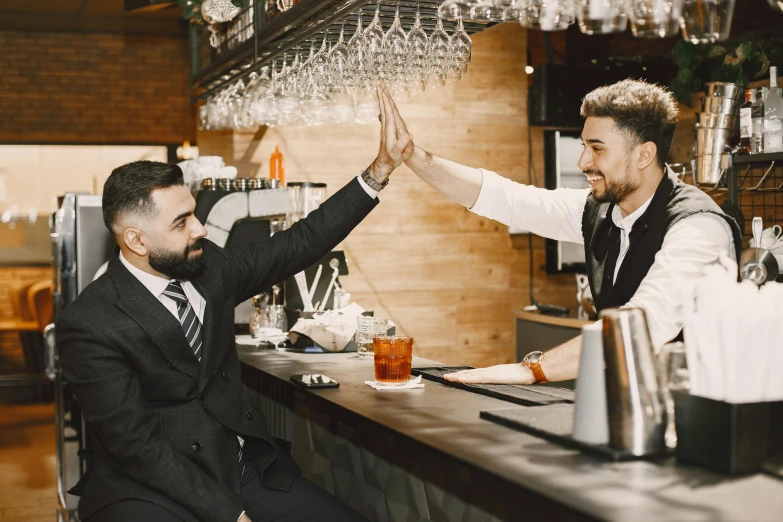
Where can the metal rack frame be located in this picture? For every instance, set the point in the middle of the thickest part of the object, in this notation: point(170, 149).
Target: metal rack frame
point(246, 48)
point(755, 186)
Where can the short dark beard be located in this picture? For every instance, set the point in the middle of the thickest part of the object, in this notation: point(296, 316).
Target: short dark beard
point(617, 191)
point(178, 266)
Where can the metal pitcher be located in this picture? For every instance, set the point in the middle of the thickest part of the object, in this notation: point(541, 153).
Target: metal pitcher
point(637, 414)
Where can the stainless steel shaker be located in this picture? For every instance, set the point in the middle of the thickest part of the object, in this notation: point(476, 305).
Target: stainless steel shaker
point(637, 414)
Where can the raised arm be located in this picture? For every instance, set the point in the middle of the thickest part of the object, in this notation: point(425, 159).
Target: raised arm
point(457, 182)
point(255, 267)
point(555, 214)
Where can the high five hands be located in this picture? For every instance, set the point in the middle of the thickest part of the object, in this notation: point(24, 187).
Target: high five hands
point(396, 142)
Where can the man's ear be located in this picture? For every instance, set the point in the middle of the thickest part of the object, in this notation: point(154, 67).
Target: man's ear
point(648, 154)
point(135, 240)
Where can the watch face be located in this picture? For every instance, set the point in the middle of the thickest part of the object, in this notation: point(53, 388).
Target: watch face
point(532, 357)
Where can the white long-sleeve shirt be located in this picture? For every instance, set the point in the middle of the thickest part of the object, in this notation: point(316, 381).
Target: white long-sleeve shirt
point(688, 246)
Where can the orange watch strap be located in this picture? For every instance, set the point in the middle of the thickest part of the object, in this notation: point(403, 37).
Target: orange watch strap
point(538, 373)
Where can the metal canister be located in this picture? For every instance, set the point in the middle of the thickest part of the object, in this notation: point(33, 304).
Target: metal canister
point(224, 184)
point(637, 415)
point(209, 184)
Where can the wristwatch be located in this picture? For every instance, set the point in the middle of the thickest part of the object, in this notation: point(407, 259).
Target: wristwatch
point(533, 361)
point(367, 178)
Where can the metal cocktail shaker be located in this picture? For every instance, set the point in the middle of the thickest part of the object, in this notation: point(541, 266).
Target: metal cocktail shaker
point(637, 415)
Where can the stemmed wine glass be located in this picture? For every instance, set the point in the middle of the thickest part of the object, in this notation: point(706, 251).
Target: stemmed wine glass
point(461, 46)
point(395, 49)
point(373, 37)
point(418, 56)
point(340, 58)
point(440, 52)
point(358, 65)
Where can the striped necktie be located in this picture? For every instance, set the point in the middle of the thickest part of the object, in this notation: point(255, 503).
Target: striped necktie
point(187, 317)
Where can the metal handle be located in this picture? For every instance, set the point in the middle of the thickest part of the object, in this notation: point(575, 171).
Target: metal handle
point(757, 228)
point(50, 350)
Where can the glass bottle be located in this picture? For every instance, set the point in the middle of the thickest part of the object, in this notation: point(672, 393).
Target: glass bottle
point(757, 117)
point(773, 115)
point(746, 123)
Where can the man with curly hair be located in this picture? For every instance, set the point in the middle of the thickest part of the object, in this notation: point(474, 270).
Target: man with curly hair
point(644, 231)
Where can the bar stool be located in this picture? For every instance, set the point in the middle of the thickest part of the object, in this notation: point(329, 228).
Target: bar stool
point(28, 329)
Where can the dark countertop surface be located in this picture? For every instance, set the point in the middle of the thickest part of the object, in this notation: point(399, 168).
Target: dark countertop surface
point(447, 419)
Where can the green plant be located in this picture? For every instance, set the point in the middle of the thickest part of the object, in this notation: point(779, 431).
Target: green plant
point(740, 61)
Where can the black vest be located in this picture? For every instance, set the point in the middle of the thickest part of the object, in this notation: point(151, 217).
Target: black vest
point(673, 201)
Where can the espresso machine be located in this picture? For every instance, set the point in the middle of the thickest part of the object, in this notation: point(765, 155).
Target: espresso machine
point(81, 247)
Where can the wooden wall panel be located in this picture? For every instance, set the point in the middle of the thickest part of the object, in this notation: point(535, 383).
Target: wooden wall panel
point(449, 278)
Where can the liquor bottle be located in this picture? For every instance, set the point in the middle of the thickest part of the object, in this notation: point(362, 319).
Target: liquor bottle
point(773, 115)
point(276, 166)
point(757, 116)
point(746, 123)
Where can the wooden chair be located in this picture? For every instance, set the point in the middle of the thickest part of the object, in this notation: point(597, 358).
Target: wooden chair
point(30, 336)
point(39, 303)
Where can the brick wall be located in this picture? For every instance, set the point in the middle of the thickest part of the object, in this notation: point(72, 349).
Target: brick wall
point(94, 88)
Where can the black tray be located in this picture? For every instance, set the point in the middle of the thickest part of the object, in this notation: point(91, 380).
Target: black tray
point(555, 424)
point(533, 395)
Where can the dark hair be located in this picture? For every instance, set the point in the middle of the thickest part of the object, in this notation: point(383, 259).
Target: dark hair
point(129, 189)
point(643, 111)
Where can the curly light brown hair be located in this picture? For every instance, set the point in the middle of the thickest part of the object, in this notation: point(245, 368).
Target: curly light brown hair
point(642, 111)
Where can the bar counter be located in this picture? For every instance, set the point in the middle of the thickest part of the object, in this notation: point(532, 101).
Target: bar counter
point(424, 454)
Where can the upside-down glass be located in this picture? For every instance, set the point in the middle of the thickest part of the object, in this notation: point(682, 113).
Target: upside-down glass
point(395, 48)
point(706, 21)
point(546, 15)
point(654, 18)
point(461, 46)
point(357, 46)
point(373, 39)
point(340, 58)
point(488, 10)
point(440, 53)
point(602, 16)
point(368, 328)
point(453, 9)
point(393, 359)
point(418, 57)
point(366, 106)
point(320, 66)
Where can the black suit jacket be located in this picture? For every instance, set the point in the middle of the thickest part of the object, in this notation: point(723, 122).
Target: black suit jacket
point(162, 426)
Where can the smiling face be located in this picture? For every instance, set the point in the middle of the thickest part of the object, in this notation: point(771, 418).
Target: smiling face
point(606, 161)
point(174, 235)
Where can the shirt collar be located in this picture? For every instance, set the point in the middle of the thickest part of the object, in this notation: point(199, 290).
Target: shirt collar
point(627, 222)
point(156, 285)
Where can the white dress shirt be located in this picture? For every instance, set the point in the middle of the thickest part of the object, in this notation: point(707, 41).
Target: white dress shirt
point(370, 191)
point(156, 285)
point(689, 245)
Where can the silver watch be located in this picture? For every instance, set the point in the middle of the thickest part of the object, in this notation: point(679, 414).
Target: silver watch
point(371, 182)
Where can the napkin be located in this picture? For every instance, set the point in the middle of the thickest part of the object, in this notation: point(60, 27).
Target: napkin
point(333, 329)
point(733, 337)
point(411, 384)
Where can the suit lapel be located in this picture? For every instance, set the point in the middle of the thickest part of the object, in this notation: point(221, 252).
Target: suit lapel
point(160, 324)
point(212, 324)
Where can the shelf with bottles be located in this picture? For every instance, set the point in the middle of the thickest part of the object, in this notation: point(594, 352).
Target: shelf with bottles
point(761, 121)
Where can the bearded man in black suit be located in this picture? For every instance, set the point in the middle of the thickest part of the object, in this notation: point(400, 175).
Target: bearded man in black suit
point(149, 350)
